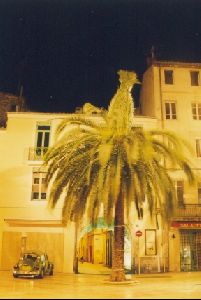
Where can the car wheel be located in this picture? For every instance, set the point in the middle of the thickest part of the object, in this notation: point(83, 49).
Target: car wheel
point(51, 272)
point(41, 273)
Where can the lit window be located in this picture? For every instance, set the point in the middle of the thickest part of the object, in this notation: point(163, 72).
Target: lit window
point(170, 110)
point(39, 186)
point(194, 78)
point(198, 147)
point(196, 111)
point(168, 74)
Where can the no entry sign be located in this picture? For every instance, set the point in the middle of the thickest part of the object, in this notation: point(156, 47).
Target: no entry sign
point(138, 233)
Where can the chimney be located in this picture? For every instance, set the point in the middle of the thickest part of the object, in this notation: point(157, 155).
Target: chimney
point(151, 57)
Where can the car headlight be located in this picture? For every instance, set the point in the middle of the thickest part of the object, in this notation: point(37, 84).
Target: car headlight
point(16, 267)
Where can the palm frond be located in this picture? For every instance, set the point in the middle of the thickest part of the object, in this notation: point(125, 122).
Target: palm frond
point(96, 159)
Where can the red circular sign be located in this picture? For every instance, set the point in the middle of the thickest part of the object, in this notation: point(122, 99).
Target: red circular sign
point(138, 233)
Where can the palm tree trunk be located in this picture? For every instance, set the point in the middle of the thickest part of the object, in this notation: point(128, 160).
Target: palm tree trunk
point(118, 273)
point(75, 260)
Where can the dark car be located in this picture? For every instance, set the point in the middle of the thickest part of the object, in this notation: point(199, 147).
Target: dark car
point(33, 264)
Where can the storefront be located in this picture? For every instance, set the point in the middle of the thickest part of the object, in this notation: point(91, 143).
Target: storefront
point(186, 237)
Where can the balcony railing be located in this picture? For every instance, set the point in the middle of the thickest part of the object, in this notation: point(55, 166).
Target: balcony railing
point(188, 210)
point(37, 153)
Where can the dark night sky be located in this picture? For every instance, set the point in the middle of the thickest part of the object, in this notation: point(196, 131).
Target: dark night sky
point(68, 52)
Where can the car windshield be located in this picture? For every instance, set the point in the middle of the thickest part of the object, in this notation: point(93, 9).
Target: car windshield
point(32, 257)
point(28, 258)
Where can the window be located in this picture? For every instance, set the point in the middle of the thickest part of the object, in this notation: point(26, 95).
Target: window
point(199, 192)
point(39, 186)
point(194, 78)
point(170, 110)
point(196, 111)
point(180, 192)
point(42, 139)
point(198, 147)
point(168, 74)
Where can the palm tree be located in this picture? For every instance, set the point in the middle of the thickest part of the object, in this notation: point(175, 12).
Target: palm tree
point(106, 159)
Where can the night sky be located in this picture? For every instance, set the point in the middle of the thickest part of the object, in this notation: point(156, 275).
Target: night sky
point(68, 52)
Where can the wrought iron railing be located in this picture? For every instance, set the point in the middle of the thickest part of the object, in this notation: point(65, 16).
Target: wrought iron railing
point(37, 153)
point(188, 210)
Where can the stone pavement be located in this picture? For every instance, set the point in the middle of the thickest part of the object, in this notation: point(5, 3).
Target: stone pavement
point(95, 285)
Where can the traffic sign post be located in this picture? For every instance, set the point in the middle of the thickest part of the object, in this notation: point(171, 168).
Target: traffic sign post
point(138, 234)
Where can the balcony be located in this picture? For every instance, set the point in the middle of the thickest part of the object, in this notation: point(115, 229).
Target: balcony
point(188, 211)
point(37, 154)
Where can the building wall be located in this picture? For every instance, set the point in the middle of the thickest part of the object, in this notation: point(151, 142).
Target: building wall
point(16, 170)
point(44, 241)
point(155, 91)
point(16, 203)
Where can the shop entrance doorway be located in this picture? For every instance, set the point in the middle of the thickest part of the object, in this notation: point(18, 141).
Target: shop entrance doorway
point(190, 250)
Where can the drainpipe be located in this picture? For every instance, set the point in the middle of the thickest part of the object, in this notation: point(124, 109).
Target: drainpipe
point(162, 127)
point(161, 103)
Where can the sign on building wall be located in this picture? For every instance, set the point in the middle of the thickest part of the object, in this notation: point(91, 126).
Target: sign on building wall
point(186, 224)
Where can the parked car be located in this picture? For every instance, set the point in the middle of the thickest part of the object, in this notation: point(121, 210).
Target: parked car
point(33, 264)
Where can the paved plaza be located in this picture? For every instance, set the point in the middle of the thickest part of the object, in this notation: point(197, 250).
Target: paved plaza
point(95, 285)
